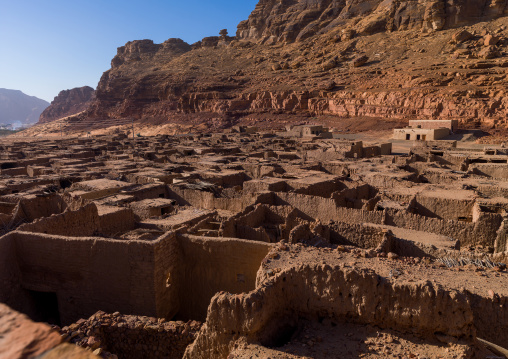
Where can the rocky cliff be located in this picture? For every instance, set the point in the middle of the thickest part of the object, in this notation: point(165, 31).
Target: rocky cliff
point(275, 21)
point(320, 59)
point(67, 103)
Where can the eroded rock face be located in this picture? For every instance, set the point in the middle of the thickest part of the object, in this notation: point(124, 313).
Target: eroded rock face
point(144, 49)
point(386, 60)
point(67, 103)
point(287, 21)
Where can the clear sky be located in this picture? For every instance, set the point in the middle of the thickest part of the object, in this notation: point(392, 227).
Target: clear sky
point(53, 45)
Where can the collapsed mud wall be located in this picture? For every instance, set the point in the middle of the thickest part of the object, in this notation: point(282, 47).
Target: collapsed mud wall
point(32, 207)
point(80, 223)
point(337, 292)
point(133, 337)
point(356, 234)
point(484, 231)
point(325, 209)
point(208, 200)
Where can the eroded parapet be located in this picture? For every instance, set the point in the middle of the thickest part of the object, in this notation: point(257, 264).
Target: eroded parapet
point(315, 284)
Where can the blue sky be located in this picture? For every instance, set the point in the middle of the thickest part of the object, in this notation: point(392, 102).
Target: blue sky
point(53, 45)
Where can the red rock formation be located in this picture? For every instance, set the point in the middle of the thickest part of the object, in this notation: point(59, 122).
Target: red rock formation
point(287, 21)
point(348, 58)
point(67, 103)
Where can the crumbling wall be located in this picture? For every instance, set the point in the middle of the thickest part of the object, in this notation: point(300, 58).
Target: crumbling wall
point(203, 199)
point(356, 234)
point(444, 208)
point(133, 337)
point(148, 192)
point(494, 170)
point(483, 231)
point(80, 223)
point(323, 188)
point(355, 197)
point(325, 209)
point(33, 207)
point(339, 292)
point(213, 265)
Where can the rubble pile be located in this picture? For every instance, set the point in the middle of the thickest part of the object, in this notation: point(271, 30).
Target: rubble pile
point(131, 336)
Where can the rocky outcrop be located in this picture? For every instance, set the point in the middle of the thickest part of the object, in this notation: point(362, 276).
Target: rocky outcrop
point(140, 50)
point(287, 21)
point(67, 103)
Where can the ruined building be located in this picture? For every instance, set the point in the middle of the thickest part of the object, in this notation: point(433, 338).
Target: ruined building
point(247, 243)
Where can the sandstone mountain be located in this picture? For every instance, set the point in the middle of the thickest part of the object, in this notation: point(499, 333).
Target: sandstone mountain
point(17, 108)
point(325, 61)
point(289, 21)
point(67, 103)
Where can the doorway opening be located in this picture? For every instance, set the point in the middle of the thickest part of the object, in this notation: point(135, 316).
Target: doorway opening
point(45, 306)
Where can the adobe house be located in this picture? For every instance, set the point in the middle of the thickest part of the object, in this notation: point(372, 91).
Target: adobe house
point(426, 130)
point(302, 131)
point(452, 125)
point(62, 279)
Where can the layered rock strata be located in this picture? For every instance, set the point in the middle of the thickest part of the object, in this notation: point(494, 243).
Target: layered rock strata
point(67, 103)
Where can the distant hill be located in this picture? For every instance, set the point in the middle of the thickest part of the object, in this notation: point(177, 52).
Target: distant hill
point(19, 109)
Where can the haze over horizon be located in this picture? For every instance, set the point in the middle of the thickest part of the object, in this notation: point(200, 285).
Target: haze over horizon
point(59, 45)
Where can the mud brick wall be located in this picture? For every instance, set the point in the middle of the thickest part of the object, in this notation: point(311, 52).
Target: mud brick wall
point(9, 272)
point(445, 208)
point(139, 340)
point(133, 337)
point(148, 192)
point(7, 207)
point(325, 209)
point(86, 273)
point(338, 292)
point(169, 266)
point(216, 264)
point(36, 207)
point(207, 200)
point(495, 170)
point(17, 171)
point(483, 232)
point(80, 223)
point(356, 234)
point(117, 222)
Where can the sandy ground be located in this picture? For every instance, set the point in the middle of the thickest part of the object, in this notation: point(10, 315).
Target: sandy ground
point(345, 340)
